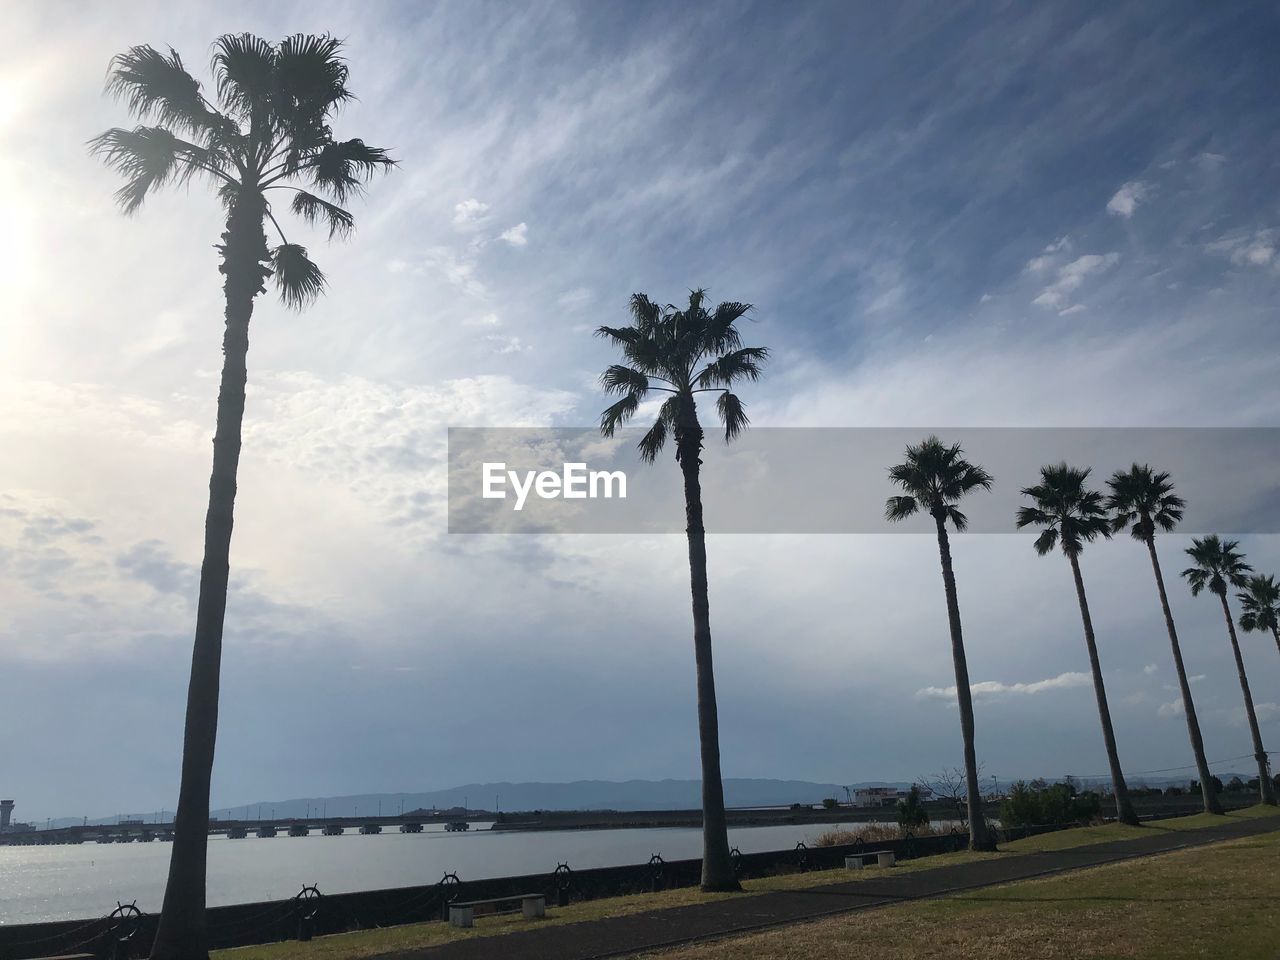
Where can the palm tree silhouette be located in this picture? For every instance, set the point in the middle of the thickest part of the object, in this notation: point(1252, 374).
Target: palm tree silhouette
point(1073, 515)
point(1219, 564)
point(266, 128)
point(682, 353)
point(1144, 501)
point(1260, 606)
point(935, 478)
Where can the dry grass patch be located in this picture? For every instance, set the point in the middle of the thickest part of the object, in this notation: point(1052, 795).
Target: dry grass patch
point(1219, 901)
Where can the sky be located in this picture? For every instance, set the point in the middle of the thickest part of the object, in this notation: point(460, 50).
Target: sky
point(945, 216)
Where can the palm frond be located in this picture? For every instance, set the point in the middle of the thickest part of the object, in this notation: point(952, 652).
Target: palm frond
point(150, 158)
point(1047, 540)
point(311, 76)
point(619, 379)
point(244, 70)
point(721, 334)
point(155, 86)
point(651, 443)
point(343, 168)
point(618, 413)
point(732, 415)
point(298, 279)
point(313, 209)
point(742, 364)
point(899, 508)
point(958, 519)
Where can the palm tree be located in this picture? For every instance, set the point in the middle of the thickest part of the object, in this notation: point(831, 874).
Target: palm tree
point(265, 129)
point(936, 477)
point(1073, 515)
point(1144, 501)
point(1260, 602)
point(1219, 563)
point(682, 353)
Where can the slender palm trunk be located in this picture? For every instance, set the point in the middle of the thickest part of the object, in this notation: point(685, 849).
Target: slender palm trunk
point(717, 865)
point(980, 835)
point(1124, 807)
point(182, 933)
point(1275, 632)
point(1266, 789)
point(1211, 804)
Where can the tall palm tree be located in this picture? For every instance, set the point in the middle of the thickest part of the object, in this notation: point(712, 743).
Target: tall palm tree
point(1073, 515)
point(1260, 603)
point(1217, 565)
point(1143, 501)
point(935, 477)
point(681, 353)
point(265, 129)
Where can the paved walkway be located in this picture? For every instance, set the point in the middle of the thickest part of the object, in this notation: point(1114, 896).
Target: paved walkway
point(656, 929)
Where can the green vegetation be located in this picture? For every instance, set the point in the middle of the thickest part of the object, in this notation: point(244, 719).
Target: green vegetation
point(1034, 803)
point(369, 943)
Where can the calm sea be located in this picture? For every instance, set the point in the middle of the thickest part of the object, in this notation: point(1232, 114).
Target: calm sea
point(86, 880)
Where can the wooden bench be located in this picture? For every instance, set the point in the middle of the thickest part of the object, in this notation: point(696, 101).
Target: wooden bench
point(856, 861)
point(463, 914)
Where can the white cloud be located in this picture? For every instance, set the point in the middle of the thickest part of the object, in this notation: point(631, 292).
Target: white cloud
point(1077, 308)
point(470, 213)
point(1070, 277)
point(1150, 668)
point(486, 320)
point(1048, 256)
point(506, 344)
point(517, 236)
point(1245, 249)
point(1171, 709)
point(1063, 681)
point(459, 271)
point(1126, 199)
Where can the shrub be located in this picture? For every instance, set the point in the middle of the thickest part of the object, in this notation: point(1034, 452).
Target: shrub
point(829, 803)
point(911, 812)
point(1040, 803)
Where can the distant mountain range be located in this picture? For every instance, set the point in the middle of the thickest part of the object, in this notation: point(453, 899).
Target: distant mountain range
point(626, 795)
point(578, 795)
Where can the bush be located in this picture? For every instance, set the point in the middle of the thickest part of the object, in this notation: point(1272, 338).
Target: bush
point(911, 812)
point(870, 833)
point(1039, 803)
point(829, 803)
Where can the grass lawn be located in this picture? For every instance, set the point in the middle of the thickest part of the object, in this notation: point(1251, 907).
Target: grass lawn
point(369, 943)
point(1218, 901)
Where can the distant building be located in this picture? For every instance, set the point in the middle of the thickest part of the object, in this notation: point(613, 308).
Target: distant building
point(6, 812)
point(885, 796)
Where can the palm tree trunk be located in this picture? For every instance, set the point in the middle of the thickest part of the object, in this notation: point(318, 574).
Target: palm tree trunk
point(1124, 806)
point(1275, 632)
point(1266, 789)
point(1211, 804)
point(717, 866)
point(980, 835)
point(182, 933)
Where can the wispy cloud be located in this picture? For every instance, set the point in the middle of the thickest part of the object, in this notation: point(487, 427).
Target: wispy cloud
point(1125, 200)
point(517, 236)
point(995, 688)
point(1071, 276)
